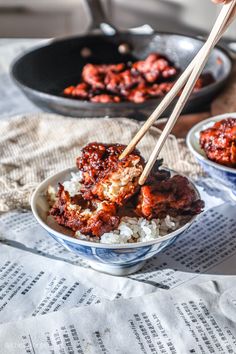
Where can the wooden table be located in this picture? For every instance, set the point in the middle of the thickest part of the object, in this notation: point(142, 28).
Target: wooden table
point(185, 123)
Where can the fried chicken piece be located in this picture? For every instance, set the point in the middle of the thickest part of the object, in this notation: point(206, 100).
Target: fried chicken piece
point(143, 91)
point(105, 176)
point(94, 74)
point(68, 90)
point(157, 175)
point(138, 94)
point(105, 98)
point(79, 91)
point(169, 72)
point(122, 82)
point(92, 218)
point(135, 82)
point(172, 196)
point(155, 67)
point(155, 91)
point(219, 142)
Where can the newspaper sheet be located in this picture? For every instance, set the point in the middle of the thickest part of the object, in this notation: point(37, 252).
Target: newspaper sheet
point(197, 319)
point(206, 251)
point(21, 230)
point(32, 285)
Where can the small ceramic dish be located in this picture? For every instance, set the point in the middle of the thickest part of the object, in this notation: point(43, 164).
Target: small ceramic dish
point(223, 174)
point(116, 259)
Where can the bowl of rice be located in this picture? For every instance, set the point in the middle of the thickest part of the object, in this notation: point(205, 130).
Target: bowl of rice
point(120, 252)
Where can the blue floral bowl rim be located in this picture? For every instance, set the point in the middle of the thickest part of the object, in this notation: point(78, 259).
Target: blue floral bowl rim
point(201, 126)
point(40, 192)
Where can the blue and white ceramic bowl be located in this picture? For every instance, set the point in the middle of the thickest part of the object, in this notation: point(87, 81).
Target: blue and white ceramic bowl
point(116, 259)
point(223, 174)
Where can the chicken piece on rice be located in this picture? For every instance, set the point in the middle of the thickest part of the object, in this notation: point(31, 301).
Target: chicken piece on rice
point(92, 218)
point(170, 196)
point(105, 176)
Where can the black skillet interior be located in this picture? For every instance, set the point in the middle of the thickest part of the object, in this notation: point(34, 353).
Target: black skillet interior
point(44, 72)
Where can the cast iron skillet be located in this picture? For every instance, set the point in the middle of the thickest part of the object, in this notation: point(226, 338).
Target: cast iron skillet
point(43, 72)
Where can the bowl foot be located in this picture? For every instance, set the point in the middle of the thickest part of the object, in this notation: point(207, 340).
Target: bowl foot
point(117, 270)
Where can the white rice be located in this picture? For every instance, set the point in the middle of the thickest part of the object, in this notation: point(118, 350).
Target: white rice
point(73, 186)
point(140, 230)
point(130, 229)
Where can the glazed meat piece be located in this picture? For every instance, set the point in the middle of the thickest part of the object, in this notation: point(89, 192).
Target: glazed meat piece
point(219, 142)
point(79, 91)
point(171, 196)
point(157, 174)
point(155, 67)
point(143, 91)
point(94, 74)
point(154, 91)
point(165, 87)
point(105, 98)
point(89, 217)
point(122, 82)
point(138, 95)
point(131, 81)
point(105, 176)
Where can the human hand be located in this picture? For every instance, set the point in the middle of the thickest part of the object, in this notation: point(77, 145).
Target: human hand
point(226, 2)
point(221, 1)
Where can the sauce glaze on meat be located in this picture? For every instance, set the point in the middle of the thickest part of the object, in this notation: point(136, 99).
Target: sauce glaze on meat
point(135, 82)
point(219, 142)
point(110, 190)
point(105, 176)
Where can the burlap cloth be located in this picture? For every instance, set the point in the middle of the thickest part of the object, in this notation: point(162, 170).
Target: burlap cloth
point(35, 146)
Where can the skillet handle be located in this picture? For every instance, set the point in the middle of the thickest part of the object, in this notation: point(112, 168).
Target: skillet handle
point(99, 18)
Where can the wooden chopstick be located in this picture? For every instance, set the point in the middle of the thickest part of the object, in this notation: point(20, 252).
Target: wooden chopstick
point(216, 33)
point(168, 98)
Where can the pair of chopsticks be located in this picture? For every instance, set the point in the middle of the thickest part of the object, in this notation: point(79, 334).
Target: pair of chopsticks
point(188, 78)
